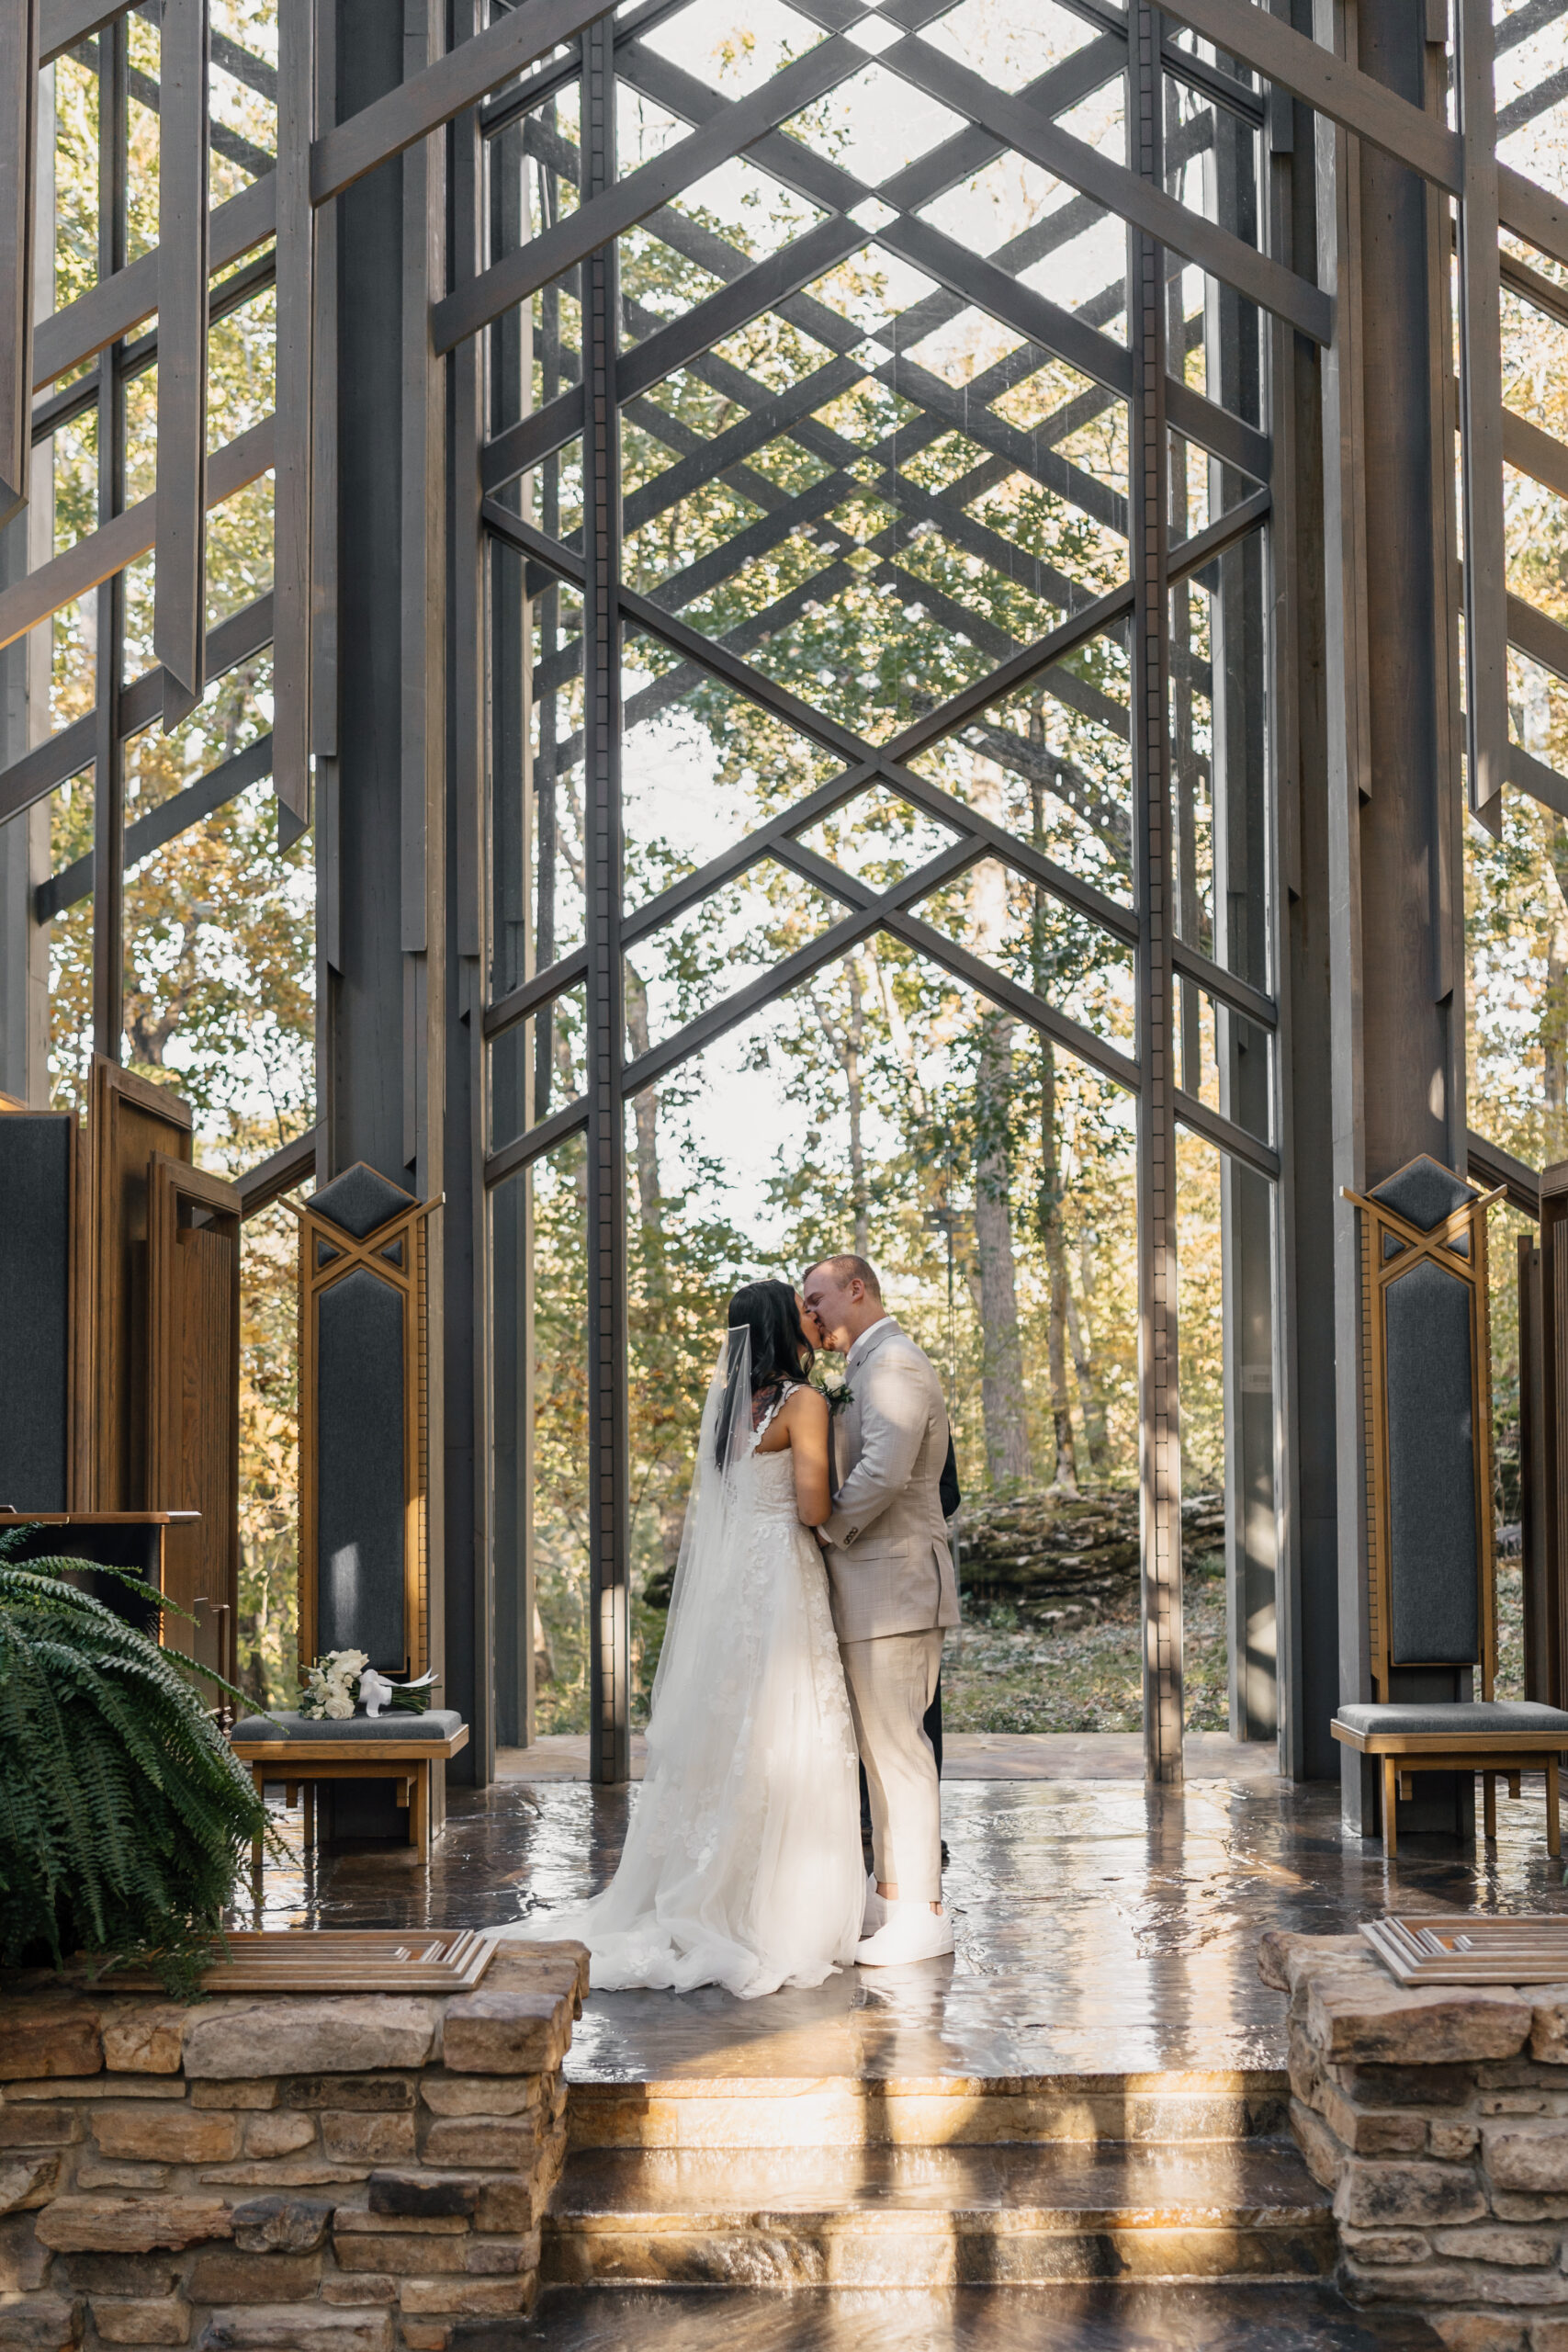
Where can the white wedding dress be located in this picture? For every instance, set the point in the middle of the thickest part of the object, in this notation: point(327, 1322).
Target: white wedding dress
point(742, 1862)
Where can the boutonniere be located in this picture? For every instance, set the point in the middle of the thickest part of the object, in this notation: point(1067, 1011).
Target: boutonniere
point(837, 1390)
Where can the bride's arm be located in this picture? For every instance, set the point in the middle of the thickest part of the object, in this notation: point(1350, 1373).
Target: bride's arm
point(805, 1416)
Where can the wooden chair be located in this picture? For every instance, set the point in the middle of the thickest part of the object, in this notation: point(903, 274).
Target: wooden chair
point(1432, 1601)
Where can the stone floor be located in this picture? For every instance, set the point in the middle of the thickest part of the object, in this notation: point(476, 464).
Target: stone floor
point(1069, 2136)
point(1059, 2318)
point(1099, 1928)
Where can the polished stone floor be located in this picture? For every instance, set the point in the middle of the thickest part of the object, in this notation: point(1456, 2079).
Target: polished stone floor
point(1099, 1928)
point(967, 1756)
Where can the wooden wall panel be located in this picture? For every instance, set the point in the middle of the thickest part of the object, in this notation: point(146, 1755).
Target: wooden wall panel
point(193, 1387)
point(38, 1269)
point(1543, 1441)
point(129, 1120)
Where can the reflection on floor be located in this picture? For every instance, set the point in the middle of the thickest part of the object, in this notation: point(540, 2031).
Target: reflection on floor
point(1070, 2136)
point(1099, 1927)
point(968, 1756)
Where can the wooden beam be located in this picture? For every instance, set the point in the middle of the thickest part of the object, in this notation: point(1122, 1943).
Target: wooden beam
point(161, 825)
point(293, 1164)
point(292, 535)
point(1134, 198)
point(426, 101)
point(18, 171)
point(1538, 637)
point(603, 218)
point(1329, 83)
point(1480, 424)
point(119, 302)
point(104, 552)
point(67, 22)
point(179, 628)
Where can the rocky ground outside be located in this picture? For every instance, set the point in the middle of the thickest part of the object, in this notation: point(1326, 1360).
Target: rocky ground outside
point(1049, 1640)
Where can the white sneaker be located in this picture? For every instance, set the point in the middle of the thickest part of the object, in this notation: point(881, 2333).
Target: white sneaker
point(912, 1931)
point(876, 1913)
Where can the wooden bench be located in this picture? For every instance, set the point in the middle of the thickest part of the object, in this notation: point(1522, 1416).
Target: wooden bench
point(300, 1750)
point(1489, 1737)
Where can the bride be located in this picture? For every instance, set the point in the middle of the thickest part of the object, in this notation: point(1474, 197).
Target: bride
point(742, 1861)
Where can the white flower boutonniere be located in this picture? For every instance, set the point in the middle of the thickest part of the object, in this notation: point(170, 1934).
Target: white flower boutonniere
point(837, 1390)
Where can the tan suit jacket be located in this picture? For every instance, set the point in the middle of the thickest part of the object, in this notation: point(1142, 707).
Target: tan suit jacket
point(888, 1565)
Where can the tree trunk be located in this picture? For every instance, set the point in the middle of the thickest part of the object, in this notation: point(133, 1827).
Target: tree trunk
point(1050, 1214)
point(544, 1657)
point(1080, 1334)
point(645, 1107)
point(1002, 1378)
point(1067, 1473)
point(853, 1046)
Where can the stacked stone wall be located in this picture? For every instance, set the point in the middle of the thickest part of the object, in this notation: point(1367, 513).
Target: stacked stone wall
point(281, 2173)
point(1439, 2118)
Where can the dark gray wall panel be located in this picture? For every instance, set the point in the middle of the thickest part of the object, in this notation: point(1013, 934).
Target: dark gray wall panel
point(1431, 1465)
point(35, 1277)
point(359, 1493)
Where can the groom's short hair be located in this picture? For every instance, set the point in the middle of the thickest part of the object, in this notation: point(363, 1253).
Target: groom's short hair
point(847, 1268)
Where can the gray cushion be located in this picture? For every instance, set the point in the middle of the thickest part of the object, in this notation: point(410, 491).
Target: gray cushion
point(360, 1200)
point(436, 1722)
point(1424, 1191)
point(1431, 1469)
point(1464, 1719)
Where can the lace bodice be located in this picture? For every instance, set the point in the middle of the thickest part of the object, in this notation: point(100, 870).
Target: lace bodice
point(772, 1475)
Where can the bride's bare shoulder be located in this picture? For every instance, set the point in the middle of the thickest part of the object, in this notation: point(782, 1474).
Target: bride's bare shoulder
point(803, 1408)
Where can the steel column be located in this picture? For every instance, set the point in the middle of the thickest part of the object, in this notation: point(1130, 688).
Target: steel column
point(609, 1513)
point(1159, 1411)
point(1396, 966)
point(180, 623)
point(1307, 1532)
point(381, 849)
point(26, 541)
point(1243, 889)
point(469, 1610)
point(109, 771)
point(511, 962)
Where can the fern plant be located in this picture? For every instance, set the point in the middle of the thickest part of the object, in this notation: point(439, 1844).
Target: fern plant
point(125, 1818)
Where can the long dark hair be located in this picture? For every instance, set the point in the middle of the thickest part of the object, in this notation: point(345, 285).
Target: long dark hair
point(780, 1351)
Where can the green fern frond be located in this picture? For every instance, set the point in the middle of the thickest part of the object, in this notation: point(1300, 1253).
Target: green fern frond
point(125, 1818)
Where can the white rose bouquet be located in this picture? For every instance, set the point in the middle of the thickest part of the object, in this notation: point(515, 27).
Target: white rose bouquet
point(332, 1685)
point(336, 1685)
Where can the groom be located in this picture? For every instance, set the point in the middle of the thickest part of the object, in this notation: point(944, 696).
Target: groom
point(894, 1592)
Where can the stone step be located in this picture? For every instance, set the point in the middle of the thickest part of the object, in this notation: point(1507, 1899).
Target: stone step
point(1287, 2317)
point(936, 2217)
point(761, 2111)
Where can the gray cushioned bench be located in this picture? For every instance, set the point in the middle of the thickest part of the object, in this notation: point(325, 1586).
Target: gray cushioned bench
point(1486, 1736)
point(299, 1750)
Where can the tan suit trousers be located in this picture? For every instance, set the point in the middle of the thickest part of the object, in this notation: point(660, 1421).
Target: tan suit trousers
point(892, 1682)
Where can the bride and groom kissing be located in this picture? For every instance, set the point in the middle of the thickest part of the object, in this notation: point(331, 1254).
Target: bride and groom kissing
point(804, 1638)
